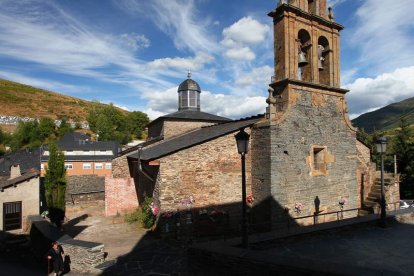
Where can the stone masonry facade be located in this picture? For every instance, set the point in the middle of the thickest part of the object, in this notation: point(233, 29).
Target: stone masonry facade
point(209, 173)
point(174, 128)
point(283, 168)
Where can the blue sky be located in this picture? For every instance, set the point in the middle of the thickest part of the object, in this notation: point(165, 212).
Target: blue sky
point(134, 53)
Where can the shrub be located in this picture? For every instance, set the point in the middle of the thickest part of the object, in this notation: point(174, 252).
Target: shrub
point(143, 214)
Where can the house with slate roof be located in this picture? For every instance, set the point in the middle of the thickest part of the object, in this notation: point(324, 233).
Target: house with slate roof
point(20, 189)
point(84, 156)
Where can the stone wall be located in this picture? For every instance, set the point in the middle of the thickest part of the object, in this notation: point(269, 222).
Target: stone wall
point(120, 167)
point(209, 175)
point(84, 256)
point(85, 188)
point(285, 170)
point(120, 195)
point(366, 172)
point(174, 128)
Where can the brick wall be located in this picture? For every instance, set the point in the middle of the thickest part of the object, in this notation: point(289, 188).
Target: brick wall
point(120, 195)
point(282, 169)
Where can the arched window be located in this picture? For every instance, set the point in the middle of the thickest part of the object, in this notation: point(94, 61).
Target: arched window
point(304, 55)
point(324, 61)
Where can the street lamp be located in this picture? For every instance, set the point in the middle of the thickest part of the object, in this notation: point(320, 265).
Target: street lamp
point(242, 139)
point(381, 148)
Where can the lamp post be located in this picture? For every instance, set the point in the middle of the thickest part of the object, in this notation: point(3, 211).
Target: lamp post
point(381, 148)
point(242, 139)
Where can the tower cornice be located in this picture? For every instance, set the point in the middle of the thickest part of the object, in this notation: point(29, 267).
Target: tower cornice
point(278, 14)
point(285, 82)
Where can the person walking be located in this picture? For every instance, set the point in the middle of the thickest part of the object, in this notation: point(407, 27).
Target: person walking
point(57, 255)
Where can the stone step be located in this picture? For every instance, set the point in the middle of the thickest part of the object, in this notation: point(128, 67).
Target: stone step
point(365, 212)
point(373, 198)
point(368, 203)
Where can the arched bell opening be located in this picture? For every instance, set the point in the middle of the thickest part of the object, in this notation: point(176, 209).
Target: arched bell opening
point(304, 55)
point(324, 62)
point(312, 6)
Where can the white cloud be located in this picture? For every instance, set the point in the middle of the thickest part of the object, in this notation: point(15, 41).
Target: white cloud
point(383, 34)
point(368, 94)
point(179, 19)
point(182, 64)
point(246, 30)
point(134, 41)
point(259, 76)
point(334, 3)
point(165, 102)
point(239, 37)
point(232, 106)
point(243, 53)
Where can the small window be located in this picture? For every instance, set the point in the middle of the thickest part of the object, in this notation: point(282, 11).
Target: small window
point(108, 166)
point(12, 215)
point(184, 99)
point(193, 99)
point(68, 166)
point(87, 166)
point(42, 166)
point(319, 160)
point(98, 166)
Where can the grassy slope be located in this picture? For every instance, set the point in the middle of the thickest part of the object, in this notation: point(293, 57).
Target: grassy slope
point(26, 101)
point(387, 117)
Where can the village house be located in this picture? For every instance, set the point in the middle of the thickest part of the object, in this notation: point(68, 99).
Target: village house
point(83, 156)
point(20, 189)
point(304, 158)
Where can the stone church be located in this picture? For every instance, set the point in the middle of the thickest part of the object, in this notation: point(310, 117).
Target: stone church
point(304, 158)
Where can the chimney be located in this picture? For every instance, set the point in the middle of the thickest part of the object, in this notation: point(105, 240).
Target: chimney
point(15, 171)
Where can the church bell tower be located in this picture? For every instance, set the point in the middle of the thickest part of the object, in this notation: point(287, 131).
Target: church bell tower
point(307, 48)
point(304, 150)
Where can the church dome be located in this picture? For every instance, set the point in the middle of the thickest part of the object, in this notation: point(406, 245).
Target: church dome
point(189, 84)
point(189, 95)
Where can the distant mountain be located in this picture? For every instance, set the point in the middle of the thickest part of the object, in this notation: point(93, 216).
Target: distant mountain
point(387, 117)
point(22, 100)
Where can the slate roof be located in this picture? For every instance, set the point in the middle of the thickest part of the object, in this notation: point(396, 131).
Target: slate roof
point(80, 142)
point(27, 159)
point(12, 182)
point(193, 138)
point(192, 115)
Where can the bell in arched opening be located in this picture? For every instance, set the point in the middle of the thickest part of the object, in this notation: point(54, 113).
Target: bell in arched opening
point(320, 57)
point(302, 58)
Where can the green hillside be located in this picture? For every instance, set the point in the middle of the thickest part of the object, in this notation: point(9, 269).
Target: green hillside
point(22, 100)
point(386, 118)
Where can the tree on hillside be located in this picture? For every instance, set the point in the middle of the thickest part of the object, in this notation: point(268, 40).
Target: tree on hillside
point(4, 140)
point(136, 123)
point(47, 128)
point(55, 184)
point(112, 124)
point(64, 127)
point(403, 147)
point(26, 135)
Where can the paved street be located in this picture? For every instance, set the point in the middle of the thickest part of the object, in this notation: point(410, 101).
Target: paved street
point(364, 249)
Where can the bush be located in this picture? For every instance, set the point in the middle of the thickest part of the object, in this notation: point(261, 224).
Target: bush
point(143, 214)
